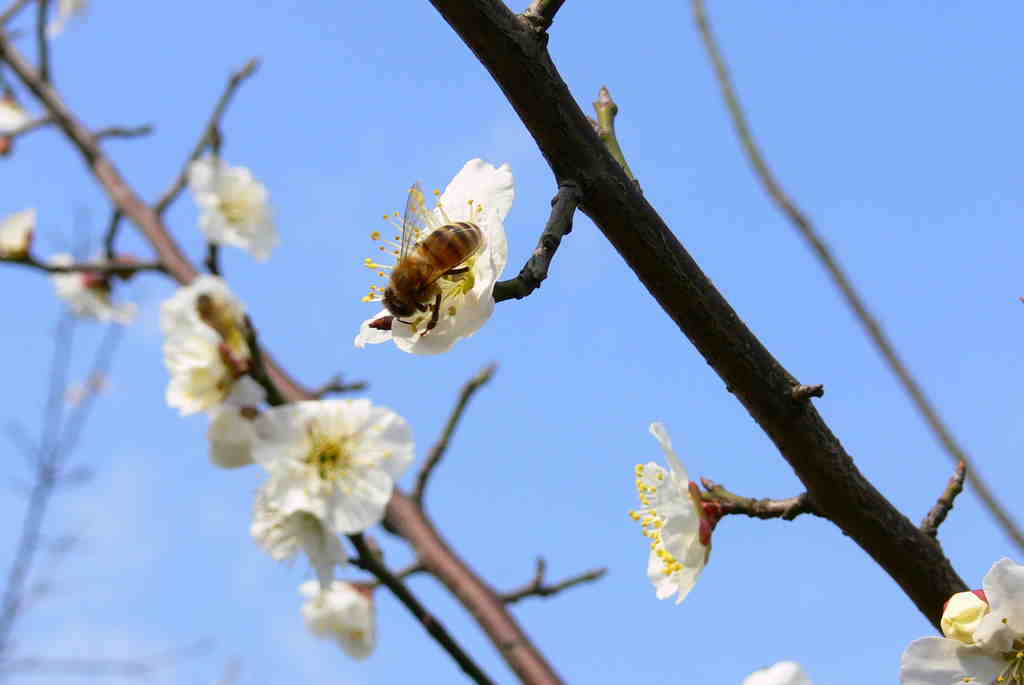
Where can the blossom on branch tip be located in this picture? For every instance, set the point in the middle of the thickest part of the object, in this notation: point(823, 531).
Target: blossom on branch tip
point(782, 673)
point(343, 612)
point(673, 518)
point(235, 206)
point(206, 346)
point(16, 233)
point(87, 293)
point(984, 644)
point(282, 533)
point(231, 431)
point(66, 10)
point(480, 194)
point(336, 459)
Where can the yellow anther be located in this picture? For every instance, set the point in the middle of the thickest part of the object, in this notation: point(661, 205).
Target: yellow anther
point(368, 261)
point(661, 476)
point(386, 217)
point(382, 274)
point(368, 298)
point(437, 192)
point(375, 235)
point(639, 469)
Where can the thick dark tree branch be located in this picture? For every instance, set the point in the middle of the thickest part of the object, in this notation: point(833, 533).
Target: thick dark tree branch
point(210, 135)
point(538, 588)
point(372, 563)
point(839, 277)
point(930, 524)
point(519, 63)
point(439, 448)
point(533, 273)
point(731, 503)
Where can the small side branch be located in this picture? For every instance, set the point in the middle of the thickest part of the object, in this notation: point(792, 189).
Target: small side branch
point(212, 260)
point(43, 45)
point(930, 524)
point(533, 273)
point(541, 14)
point(110, 236)
point(124, 131)
point(257, 369)
point(437, 452)
point(370, 562)
point(336, 386)
point(731, 503)
point(806, 392)
point(410, 570)
point(538, 588)
point(209, 135)
point(607, 110)
point(122, 268)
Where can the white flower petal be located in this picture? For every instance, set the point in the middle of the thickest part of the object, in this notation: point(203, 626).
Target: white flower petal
point(235, 207)
point(231, 431)
point(16, 234)
point(1004, 587)
point(782, 673)
point(372, 336)
point(86, 299)
point(12, 115)
point(938, 661)
point(343, 613)
point(282, 534)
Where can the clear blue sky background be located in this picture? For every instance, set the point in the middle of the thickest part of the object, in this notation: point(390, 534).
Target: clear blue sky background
point(895, 125)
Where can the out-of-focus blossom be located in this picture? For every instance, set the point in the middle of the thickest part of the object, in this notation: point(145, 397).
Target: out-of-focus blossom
point(231, 431)
point(282, 534)
point(16, 233)
point(345, 613)
point(782, 673)
point(87, 293)
point(235, 207)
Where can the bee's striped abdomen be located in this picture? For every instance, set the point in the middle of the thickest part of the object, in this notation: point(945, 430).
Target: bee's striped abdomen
point(451, 245)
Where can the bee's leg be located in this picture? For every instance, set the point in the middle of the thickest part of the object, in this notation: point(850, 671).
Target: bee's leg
point(435, 315)
point(456, 272)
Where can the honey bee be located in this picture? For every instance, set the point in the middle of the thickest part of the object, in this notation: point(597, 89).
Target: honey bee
point(441, 253)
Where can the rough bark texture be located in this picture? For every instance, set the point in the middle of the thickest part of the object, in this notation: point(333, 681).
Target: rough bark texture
point(515, 54)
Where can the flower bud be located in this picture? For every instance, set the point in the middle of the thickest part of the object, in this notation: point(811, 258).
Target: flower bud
point(961, 616)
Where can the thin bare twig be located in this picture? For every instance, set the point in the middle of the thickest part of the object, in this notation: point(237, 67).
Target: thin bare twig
point(111, 235)
point(210, 132)
point(842, 281)
point(212, 260)
point(930, 524)
point(12, 11)
point(42, 44)
point(124, 131)
point(559, 224)
point(122, 268)
point(439, 448)
point(370, 562)
point(541, 14)
point(410, 570)
point(731, 503)
point(336, 386)
point(538, 588)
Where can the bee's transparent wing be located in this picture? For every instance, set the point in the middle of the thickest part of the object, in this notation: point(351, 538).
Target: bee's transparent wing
point(414, 223)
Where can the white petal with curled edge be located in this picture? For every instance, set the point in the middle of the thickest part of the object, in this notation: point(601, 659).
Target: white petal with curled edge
point(939, 661)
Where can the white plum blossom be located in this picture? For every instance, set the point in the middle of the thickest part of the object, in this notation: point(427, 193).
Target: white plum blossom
point(231, 431)
point(16, 234)
point(282, 534)
point(674, 520)
point(481, 194)
point(991, 652)
point(345, 613)
point(88, 293)
point(235, 206)
point(336, 459)
point(782, 673)
point(205, 344)
point(12, 115)
point(66, 10)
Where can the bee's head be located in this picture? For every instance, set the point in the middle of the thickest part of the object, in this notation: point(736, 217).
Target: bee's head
point(397, 305)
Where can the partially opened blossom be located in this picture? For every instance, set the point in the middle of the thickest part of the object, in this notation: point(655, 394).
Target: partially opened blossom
point(480, 194)
point(206, 348)
point(992, 653)
point(16, 233)
point(12, 115)
point(87, 293)
point(962, 615)
point(235, 207)
point(66, 11)
point(345, 613)
point(232, 431)
point(336, 459)
point(674, 520)
point(782, 673)
point(283, 534)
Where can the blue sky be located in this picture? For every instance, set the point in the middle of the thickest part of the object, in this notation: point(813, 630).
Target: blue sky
point(895, 127)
